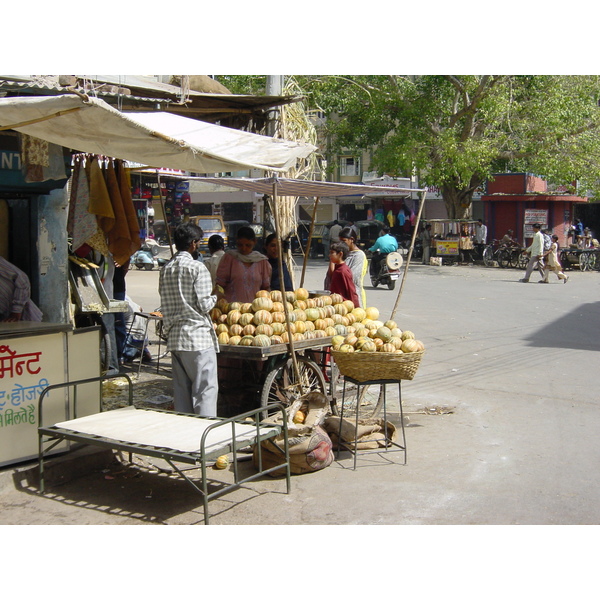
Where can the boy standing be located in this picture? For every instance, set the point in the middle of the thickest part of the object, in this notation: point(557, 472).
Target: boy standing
point(341, 275)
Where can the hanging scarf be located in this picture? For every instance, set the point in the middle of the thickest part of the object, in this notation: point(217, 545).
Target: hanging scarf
point(253, 257)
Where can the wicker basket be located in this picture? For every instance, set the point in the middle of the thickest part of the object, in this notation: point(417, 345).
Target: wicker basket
point(370, 366)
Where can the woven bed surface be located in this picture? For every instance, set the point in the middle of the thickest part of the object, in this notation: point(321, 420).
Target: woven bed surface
point(159, 429)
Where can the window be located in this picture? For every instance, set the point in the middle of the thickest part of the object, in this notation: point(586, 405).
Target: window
point(349, 166)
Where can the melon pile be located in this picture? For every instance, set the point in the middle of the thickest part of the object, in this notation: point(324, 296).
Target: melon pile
point(262, 323)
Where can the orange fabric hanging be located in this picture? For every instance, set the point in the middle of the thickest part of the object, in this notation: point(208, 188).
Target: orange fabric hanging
point(130, 213)
point(119, 237)
point(100, 203)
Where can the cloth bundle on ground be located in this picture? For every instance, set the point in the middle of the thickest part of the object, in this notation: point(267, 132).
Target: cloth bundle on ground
point(370, 433)
point(310, 446)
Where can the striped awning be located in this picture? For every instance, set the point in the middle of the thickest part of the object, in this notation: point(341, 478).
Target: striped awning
point(156, 139)
point(299, 187)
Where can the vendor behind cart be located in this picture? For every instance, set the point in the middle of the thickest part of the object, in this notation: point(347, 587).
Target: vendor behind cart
point(244, 271)
point(272, 250)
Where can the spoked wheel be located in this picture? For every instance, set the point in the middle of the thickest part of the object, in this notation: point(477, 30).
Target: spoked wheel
point(515, 256)
point(523, 261)
point(281, 384)
point(584, 261)
point(370, 401)
point(488, 256)
point(504, 259)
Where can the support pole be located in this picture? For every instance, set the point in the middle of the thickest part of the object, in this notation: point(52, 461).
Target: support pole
point(410, 251)
point(162, 204)
point(309, 242)
point(282, 282)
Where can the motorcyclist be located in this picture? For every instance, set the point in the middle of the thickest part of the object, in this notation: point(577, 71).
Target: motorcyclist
point(385, 244)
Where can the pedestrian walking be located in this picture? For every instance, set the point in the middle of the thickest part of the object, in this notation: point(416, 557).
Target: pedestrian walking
point(536, 252)
point(552, 263)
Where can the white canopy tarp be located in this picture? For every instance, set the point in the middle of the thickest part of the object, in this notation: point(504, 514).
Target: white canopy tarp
point(299, 187)
point(156, 139)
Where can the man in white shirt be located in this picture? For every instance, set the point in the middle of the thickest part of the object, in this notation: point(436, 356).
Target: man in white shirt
point(535, 251)
point(480, 236)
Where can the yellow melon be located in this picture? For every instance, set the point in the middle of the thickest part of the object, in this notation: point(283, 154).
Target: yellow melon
point(372, 313)
point(301, 294)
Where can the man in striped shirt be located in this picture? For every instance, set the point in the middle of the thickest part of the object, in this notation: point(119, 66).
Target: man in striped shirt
point(185, 288)
point(15, 303)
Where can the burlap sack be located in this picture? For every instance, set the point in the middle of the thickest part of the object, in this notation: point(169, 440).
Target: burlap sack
point(307, 454)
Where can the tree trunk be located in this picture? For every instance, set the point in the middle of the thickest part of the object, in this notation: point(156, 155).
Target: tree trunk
point(458, 198)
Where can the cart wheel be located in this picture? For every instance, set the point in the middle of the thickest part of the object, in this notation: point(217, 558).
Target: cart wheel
point(488, 256)
point(281, 385)
point(369, 404)
point(584, 261)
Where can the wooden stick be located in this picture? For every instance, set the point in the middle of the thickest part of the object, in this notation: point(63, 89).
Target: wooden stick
point(46, 118)
point(410, 251)
point(308, 243)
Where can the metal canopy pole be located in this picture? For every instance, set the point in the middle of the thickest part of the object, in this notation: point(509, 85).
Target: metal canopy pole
point(309, 242)
point(410, 251)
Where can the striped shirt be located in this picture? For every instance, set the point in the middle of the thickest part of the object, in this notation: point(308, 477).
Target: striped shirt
point(186, 298)
point(14, 293)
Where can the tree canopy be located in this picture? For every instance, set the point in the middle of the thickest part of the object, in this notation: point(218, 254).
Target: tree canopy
point(456, 131)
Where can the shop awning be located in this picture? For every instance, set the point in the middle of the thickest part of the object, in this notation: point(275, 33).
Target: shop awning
point(299, 187)
point(156, 139)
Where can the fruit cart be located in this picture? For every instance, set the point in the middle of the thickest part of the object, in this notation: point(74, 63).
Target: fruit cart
point(451, 239)
point(267, 375)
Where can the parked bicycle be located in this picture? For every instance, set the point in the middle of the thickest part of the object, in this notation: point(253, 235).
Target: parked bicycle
point(504, 256)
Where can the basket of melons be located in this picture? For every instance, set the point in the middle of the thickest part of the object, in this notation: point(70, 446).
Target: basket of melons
point(377, 350)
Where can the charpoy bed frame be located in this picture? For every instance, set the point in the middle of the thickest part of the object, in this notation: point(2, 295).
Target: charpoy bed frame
point(171, 436)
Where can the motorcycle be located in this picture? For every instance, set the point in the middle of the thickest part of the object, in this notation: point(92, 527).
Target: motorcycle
point(147, 257)
point(386, 270)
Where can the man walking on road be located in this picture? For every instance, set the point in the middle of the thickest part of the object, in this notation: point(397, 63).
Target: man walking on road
point(185, 288)
point(536, 252)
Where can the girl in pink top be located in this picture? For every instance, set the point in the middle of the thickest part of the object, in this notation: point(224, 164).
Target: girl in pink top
point(243, 272)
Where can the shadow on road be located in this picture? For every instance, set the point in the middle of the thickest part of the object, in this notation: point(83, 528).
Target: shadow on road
point(578, 330)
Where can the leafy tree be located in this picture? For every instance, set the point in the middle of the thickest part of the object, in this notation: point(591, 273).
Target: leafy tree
point(455, 131)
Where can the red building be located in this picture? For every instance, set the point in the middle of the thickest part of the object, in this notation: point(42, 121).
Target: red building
point(517, 200)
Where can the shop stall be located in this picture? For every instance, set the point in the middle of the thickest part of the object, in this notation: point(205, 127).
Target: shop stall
point(451, 239)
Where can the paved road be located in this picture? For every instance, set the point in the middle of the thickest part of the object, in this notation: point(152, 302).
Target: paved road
point(511, 375)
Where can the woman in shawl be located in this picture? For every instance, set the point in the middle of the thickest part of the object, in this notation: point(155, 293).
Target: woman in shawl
point(243, 272)
point(357, 262)
point(272, 251)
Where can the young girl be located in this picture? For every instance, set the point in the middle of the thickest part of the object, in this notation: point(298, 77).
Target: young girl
point(357, 262)
point(341, 276)
point(552, 262)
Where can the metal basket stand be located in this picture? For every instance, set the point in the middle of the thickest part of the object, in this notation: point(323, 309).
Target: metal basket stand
point(386, 437)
